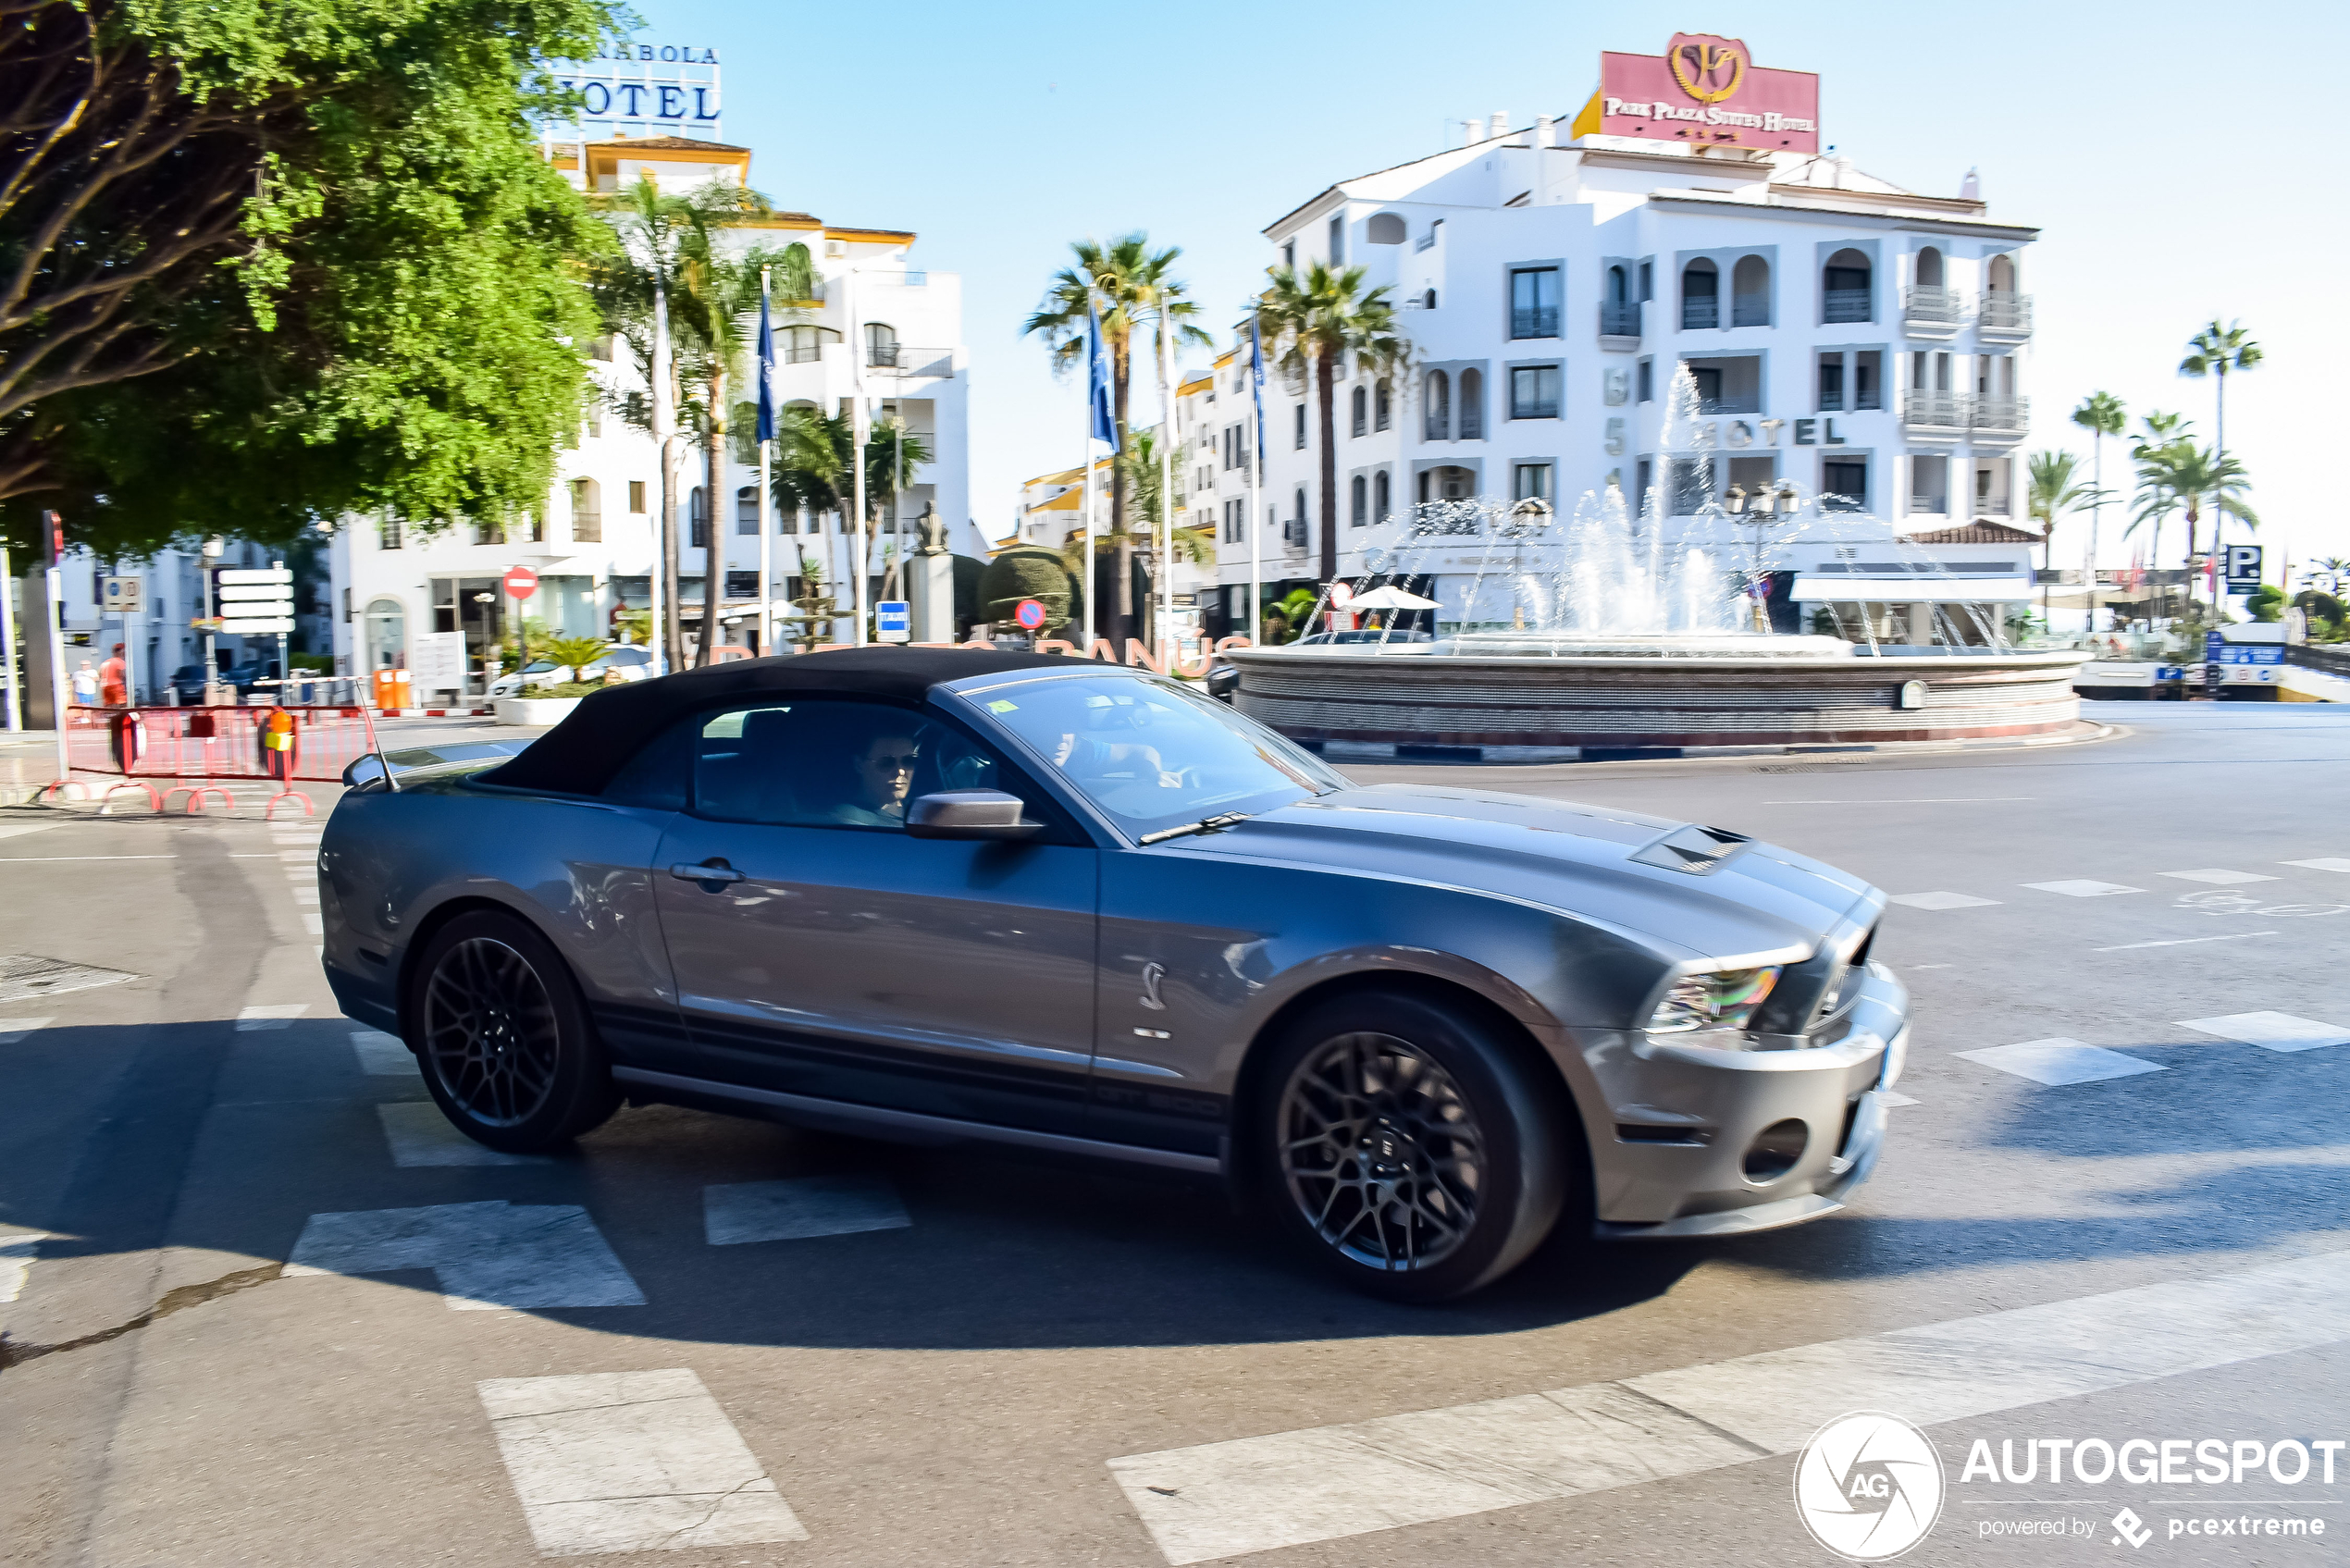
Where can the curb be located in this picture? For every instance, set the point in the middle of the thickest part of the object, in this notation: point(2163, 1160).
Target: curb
point(2084, 731)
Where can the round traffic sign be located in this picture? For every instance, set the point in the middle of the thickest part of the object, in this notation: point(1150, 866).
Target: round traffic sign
point(1030, 614)
point(1341, 594)
point(521, 582)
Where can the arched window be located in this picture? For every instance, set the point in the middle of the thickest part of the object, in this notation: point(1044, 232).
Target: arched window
point(1439, 406)
point(1358, 502)
point(1455, 484)
point(586, 512)
point(1385, 229)
point(2002, 277)
point(1700, 296)
point(1929, 268)
point(747, 511)
point(1844, 288)
point(1472, 405)
point(386, 635)
point(803, 345)
point(1618, 286)
point(698, 519)
point(1380, 499)
point(881, 344)
point(1750, 292)
point(1294, 531)
point(1428, 300)
point(1361, 401)
point(1382, 405)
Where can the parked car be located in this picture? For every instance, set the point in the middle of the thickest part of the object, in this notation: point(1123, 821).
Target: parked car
point(964, 897)
point(634, 662)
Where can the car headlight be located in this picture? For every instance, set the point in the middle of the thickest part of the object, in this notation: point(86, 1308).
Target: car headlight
point(1715, 999)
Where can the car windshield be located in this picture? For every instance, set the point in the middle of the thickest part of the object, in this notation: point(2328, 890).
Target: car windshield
point(1152, 755)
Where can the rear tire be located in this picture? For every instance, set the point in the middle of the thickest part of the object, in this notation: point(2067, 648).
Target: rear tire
point(1404, 1143)
point(503, 1038)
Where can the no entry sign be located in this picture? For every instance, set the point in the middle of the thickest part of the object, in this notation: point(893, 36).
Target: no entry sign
point(521, 582)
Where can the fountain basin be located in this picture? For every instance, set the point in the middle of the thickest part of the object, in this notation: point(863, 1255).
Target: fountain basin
point(1678, 703)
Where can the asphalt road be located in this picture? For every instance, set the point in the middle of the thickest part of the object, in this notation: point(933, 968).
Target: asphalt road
point(2154, 1255)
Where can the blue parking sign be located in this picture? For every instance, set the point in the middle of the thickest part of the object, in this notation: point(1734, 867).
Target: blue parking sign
point(893, 621)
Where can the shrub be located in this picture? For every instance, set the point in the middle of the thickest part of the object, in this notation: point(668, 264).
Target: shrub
point(1027, 572)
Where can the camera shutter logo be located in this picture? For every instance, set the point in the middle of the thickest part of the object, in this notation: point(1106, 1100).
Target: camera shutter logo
point(1868, 1486)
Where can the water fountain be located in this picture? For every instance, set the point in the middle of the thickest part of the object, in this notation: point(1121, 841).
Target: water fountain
point(1624, 632)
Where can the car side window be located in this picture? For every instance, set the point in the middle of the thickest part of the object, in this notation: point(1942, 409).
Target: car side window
point(661, 773)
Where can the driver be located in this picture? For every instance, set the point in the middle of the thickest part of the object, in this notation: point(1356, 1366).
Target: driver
point(881, 773)
point(1089, 746)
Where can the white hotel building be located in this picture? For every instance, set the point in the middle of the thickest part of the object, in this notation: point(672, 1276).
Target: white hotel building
point(882, 328)
point(1865, 342)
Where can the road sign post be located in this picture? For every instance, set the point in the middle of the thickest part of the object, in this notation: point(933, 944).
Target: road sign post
point(520, 582)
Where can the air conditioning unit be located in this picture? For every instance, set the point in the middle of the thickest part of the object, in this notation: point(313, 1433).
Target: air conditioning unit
point(835, 247)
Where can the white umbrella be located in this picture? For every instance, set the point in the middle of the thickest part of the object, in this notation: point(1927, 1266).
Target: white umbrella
point(1391, 598)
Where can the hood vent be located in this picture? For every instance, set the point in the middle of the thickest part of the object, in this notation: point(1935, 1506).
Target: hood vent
point(1698, 851)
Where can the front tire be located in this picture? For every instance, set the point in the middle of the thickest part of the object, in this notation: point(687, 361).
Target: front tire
point(1402, 1143)
point(503, 1038)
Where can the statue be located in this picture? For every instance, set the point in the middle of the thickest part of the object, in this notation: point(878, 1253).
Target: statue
point(931, 530)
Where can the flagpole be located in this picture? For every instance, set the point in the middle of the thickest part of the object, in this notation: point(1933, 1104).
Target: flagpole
point(1255, 457)
point(662, 521)
point(766, 443)
point(857, 427)
point(1086, 575)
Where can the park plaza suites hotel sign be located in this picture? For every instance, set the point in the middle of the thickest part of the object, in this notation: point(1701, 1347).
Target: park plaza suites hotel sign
point(1704, 90)
point(643, 90)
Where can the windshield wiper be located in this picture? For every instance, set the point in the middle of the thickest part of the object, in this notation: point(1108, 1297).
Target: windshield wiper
point(1205, 825)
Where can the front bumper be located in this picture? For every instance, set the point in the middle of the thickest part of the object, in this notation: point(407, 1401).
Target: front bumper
point(1677, 1159)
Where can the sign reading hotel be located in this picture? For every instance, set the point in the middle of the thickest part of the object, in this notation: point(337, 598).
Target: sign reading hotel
point(1705, 91)
point(644, 89)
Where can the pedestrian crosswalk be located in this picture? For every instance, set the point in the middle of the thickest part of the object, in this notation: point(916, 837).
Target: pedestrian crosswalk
point(2058, 1062)
point(2093, 887)
point(487, 1257)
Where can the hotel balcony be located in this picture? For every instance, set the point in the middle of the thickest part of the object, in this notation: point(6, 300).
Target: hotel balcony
point(1846, 305)
point(1620, 327)
point(1930, 311)
point(1999, 419)
point(1700, 313)
point(1934, 416)
point(904, 359)
point(2004, 316)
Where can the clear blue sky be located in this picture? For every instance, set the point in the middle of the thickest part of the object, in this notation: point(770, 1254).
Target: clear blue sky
point(2182, 162)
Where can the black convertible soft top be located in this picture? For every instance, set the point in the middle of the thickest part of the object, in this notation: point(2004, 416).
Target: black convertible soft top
point(580, 755)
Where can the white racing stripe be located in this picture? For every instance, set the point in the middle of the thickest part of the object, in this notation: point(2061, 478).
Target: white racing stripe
point(1255, 1494)
point(486, 1255)
point(631, 1462)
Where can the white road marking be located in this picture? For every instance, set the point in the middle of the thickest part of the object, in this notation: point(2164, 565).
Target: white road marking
point(299, 857)
point(487, 1257)
point(2083, 888)
point(2272, 1031)
point(787, 1211)
point(2323, 863)
point(1918, 801)
point(2182, 940)
point(51, 859)
point(304, 895)
point(18, 1249)
point(273, 1015)
point(1942, 900)
point(2059, 1061)
point(631, 1462)
point(383, 1055)
point(420, 1135)
point(2219, 876)
point(14, 1030)
point(315, 926)
point(1255, 1494)
point(17, 829)
point(1894, 1097)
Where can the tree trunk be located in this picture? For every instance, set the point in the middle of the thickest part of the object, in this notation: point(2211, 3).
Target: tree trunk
point(1121, 621)
point(1325, 379)
point(674, 621)
point(714, 574)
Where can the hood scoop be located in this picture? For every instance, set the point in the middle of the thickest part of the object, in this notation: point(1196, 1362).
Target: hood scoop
point(1695, 850)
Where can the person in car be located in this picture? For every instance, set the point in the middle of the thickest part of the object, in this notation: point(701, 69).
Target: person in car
point(882, 772)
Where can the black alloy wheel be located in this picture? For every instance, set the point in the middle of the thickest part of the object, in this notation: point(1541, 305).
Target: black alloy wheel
point(503, 1038)
point(1411, 1147)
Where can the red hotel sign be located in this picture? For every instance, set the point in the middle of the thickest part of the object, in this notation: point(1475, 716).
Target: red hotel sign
point(1704, 89)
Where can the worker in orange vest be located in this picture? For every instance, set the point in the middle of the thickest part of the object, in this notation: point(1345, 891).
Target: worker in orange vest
point(111, 690)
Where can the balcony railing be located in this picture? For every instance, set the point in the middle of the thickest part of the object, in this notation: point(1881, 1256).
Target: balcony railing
point(1845, 304)
point(1990, 506)
point(1700, 313)
point(1929, 304)
point(1751, 404)
point(1934, 506)
point(587, 527)
point(2007, 416)
point(1750, 311)
point(904, 359)
point(808, 354)
point(1534, 321)
point(1619, 320)
point(1934, 411)
point(2004, 312)
point(882, 356)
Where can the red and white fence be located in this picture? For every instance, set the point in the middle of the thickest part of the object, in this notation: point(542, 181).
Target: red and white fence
point(198, 752)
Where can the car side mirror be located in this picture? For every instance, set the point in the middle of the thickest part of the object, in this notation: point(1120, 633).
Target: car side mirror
point(968, 813)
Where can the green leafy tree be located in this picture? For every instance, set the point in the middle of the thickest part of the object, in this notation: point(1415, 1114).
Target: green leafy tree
point(1027, 572)
point(1130, 287)
point(265, 265)
point(1313, 321)
point(2215, 351)
point(2102, 414)
point(2054, 490)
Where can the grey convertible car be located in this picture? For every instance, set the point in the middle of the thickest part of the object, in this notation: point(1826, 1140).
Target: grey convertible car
point(950, 896)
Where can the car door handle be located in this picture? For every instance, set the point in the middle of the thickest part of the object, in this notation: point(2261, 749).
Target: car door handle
point(715, 871)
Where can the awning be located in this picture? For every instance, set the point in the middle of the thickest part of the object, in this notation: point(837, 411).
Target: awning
point(1911, 588)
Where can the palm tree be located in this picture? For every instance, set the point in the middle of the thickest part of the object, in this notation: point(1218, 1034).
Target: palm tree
point(2054, 490)
point(2102, 414)
point(1313, 321)
point(2214, 352)
point(2184, 475)
point(892, 453)
point(1130, 286)
point(1146, 476)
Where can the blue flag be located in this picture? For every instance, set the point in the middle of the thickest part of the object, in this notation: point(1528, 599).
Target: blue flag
point(1256, 383)
point(766, 368)
point(1103, 421)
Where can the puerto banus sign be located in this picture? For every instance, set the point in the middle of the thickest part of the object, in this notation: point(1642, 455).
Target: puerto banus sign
point(1704, 90)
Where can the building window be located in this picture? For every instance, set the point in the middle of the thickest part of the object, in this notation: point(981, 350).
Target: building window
point(1534, 301)
point(1700, 296)
point(1641, 485)
point(387, 633)
point(1382, 405)
point(1338, 240)
point(595, 417)
point(1648, 281)
point(1294, 531)
point(390, 534)
point(1929, 268)
point(1428, 300)
point(1930, 485)
point(636, 496)
point(1358, 502)
point(1534, 391)
point(1385, 229)
point(1472, 405)
point(1750, 292)
point(1844, 288)
point(1235, 521)
point(1381, 508)
point(1844, 484)
point(1289, 253)
point(698, 519)
point(747, 512)
point(1868, 378)
point(881, 344)
point(1691, 478)
point(1300, 422)
point(1647, 380)
point(1831, 383)
point(2002, 274)
point(1530, 481)
point(1360, 402)
point(586, 512)
point(1439, 406)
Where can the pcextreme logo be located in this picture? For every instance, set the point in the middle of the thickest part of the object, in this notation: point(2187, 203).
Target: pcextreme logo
point(1868, 1486)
